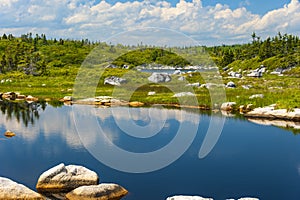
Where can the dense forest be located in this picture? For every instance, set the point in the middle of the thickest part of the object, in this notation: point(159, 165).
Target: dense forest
point(37, 55)
point(281, 51)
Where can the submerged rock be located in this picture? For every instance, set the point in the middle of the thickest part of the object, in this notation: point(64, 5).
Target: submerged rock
point(9, 134)
point(104, 191)
point(63, 178)
point(188, 198)
point(10, 190)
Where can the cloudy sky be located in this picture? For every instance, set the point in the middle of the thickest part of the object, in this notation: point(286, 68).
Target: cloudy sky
point(210, 22)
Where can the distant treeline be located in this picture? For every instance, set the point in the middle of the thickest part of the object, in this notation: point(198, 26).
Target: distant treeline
point(279, 51)
point(37, 55)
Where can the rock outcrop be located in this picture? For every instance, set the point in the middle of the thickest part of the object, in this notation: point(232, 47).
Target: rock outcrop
point(271, 113)
point(181, 78)
point(194, 84)
point(257, 72)
point(67, 98)
point(235, 74)
point(159, 77)
point(230, 85)
point(63, 178)
point(177, 72)
point(256, 96)
point(228, 106)
point(10, 190)
point(151, 93)
point(188, 198)
point(113, 80)
point(104, 191)
point(135, 104)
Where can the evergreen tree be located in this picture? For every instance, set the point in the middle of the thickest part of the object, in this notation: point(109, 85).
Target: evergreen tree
point(4, 36)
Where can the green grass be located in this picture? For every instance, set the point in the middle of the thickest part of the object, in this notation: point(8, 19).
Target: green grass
point(284, 91)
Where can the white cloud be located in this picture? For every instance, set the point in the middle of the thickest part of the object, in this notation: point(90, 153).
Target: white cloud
point(280, 19)
point(7, 3)
point(97, 21)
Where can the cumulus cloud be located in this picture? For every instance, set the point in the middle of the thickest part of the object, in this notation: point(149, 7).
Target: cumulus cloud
point(97, 21)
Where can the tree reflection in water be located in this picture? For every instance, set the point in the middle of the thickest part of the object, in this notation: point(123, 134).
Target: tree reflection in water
point(24, 111)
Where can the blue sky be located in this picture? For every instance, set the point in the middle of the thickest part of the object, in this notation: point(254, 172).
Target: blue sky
point(255, 6)
point(210, 22)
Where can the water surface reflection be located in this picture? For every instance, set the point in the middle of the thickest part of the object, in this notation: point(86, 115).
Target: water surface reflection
point(248, 160)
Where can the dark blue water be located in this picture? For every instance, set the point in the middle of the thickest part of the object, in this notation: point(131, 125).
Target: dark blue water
point(248, 159)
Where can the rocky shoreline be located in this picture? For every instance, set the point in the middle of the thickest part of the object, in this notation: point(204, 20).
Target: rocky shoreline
point(72, 182)
point(268, 112)
point(62, 182)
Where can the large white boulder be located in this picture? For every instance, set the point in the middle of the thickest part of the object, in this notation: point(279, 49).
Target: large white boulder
point(177, 72)
point(194, 84)
point(63, 178)
point(104, 191)
point(254, 96)
point(230, 85)
point(228, 106)
point(160, 77)
point(151, 93)
point(113, 80)
point(12, 190)
point(181, 78)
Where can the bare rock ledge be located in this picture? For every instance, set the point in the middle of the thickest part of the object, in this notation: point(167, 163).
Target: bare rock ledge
point(271, 113)
point(10, 190)
point(104, 191)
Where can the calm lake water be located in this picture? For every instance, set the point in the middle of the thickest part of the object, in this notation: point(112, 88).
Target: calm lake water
point(248, 159)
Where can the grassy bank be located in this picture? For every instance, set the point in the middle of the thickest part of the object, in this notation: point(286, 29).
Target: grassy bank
point(283, 90)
